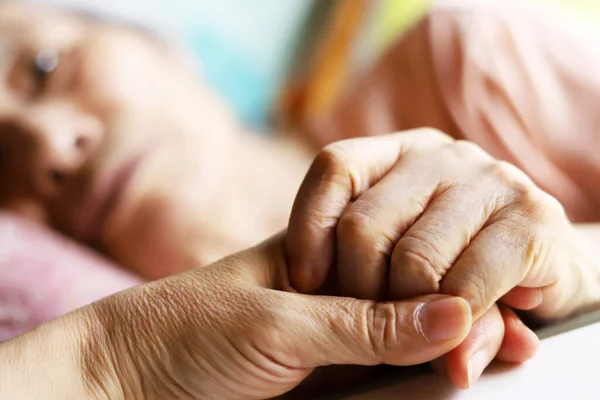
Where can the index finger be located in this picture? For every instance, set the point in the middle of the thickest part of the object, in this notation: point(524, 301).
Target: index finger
point(340, 173)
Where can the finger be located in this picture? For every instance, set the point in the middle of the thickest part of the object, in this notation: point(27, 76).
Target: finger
point(434, 242)
point(465, 364)
point(509, 252)
point(371, 226)
point(361, 332)
point(431, 215)
point(338, 175)
point(523, 298)
point(520, 343)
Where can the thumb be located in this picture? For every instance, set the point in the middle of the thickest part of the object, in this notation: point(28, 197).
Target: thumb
point(337, 330)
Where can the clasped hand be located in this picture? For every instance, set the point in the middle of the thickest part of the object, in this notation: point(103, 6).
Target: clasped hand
point(418, 242)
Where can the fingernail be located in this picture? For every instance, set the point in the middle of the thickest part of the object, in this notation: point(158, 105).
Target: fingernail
point(477, 364)
point(445, 319)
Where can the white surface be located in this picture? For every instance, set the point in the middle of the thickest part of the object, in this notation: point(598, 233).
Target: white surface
point(566, 367)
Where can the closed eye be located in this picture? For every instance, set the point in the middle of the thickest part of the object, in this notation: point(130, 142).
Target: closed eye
point(31, 72)
point(42, 66)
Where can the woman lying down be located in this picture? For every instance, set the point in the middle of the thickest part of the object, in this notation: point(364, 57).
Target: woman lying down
point(108, 137)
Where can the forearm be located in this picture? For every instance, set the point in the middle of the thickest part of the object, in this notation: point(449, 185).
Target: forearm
point(48, 363)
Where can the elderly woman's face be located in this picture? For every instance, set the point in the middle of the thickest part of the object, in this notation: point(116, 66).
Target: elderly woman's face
point(99, 130)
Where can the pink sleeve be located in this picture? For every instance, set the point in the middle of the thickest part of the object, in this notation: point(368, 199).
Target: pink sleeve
point(524, 84)
point(43, 276)
point(520, 81)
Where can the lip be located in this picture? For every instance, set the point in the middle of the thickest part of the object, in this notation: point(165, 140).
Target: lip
point(105, 198)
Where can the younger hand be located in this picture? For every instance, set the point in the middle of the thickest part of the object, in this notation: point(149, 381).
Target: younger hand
point(230, 331)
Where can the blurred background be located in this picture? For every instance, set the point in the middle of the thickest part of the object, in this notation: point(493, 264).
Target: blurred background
point(248, 49)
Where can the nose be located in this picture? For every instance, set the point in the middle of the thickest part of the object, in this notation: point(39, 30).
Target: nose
point(64, 138)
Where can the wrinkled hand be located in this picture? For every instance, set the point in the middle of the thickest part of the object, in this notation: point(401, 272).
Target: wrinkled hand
point(231, 331)
point(417, 213)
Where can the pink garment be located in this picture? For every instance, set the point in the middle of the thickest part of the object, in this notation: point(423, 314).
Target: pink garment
point(43, 276)
point(524, 84)
point(520, 81)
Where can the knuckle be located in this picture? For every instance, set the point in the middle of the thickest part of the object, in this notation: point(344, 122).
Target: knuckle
point(331, 160)
point(472, 287)
point(514, 185)
point(466, 146)
point(336, 166)
point(319, 219)
point(544, 221)
point(360, 227)
point(546, 208)
point(467, 149)
point(539, 209)
point(390, 328)
point(357, 225)
point(382, 322)
point(421, 258)
point(433, 135)
point(510, 175)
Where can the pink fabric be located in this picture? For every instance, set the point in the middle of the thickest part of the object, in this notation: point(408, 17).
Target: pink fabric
point(43, 275)
point(524, 84)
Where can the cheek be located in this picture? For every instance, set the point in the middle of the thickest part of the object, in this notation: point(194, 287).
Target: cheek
point(128, 235)
point(169, 231)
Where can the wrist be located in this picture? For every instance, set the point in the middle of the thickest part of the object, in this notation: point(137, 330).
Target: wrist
point(134, 341)
point(105, 359)
point(46, 363)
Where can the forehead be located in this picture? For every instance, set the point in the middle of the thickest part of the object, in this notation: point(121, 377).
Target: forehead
point(26, 28)
point(36, 26)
